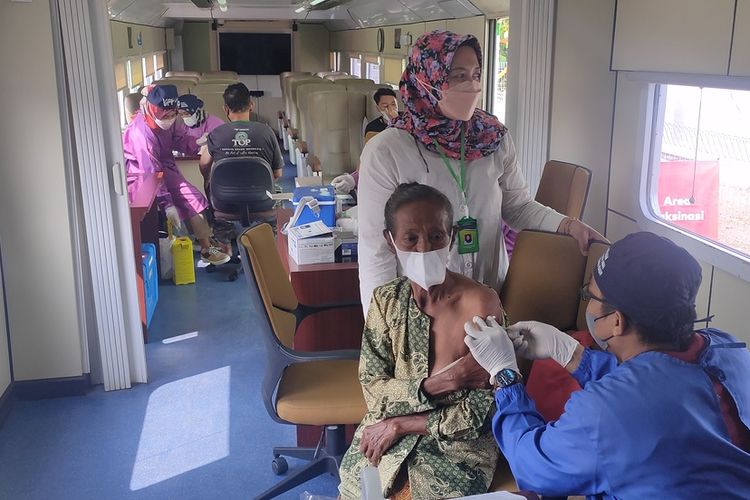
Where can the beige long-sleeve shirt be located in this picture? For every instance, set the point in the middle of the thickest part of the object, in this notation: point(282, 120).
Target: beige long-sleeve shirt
point(496, 191)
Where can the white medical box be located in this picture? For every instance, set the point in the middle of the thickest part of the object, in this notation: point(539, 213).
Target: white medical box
point(311, 243)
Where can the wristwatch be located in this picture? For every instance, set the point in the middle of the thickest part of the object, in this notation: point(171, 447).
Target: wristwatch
point(507, 377)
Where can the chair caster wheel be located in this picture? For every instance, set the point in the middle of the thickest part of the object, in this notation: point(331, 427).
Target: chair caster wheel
point(279, 465)
point(233, 276)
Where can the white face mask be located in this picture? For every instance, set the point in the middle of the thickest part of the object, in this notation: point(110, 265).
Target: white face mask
point(591, 324)
point(192, 120)
point(426, 269)
point(165, 124)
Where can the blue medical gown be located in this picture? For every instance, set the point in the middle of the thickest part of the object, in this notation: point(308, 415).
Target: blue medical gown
point(648, 428)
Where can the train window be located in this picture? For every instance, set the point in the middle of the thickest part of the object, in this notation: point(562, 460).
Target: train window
point(373, 72)
point(700, 170)
point(502, 29)
point(355, 67)
point(135, 73)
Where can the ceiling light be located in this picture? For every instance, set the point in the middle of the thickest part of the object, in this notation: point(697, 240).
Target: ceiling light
point(299, 9)
point(316, 2)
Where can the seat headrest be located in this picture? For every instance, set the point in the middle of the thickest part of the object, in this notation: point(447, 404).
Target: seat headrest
point(544, 279)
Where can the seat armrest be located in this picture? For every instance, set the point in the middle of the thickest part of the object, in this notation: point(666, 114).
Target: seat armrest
point(303, 310)
point(313, 162)
point(337, 355)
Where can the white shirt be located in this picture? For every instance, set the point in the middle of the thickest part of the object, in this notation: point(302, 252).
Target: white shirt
point(496, 191)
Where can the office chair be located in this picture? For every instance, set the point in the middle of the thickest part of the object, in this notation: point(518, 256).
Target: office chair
point(238, 190)
point(299, 388)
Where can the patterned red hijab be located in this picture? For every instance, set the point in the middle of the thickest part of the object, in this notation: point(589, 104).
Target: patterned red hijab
point(430, 61)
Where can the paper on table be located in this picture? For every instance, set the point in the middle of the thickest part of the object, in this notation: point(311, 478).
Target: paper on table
point(498, 495)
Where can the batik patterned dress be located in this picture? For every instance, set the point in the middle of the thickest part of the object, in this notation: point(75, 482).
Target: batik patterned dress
point(458, 455)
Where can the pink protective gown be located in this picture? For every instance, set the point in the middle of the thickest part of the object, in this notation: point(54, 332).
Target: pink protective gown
point(147, 150)
point(210, 123)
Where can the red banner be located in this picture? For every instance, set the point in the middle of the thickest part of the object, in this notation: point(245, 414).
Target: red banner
point(689, 195)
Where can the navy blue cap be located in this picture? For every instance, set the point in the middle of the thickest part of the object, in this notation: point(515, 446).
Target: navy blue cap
point(648, 277)
point(190, 103)
point(164, 96)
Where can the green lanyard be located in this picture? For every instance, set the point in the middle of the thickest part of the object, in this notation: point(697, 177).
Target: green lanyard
point(460, 179)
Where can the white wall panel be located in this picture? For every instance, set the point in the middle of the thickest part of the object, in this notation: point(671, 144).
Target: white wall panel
point(583, 90)
point(34, 210)
point(628, 145)
point(681, 36)
point(739, 62)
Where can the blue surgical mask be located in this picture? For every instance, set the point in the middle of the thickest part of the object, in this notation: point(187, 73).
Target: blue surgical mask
point(591, 324)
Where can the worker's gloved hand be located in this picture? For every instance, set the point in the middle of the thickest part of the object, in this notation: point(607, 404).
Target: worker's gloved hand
point(490, 345)
point(344, 183)
point(174, 218)
point(535, 340)
point(202, 140)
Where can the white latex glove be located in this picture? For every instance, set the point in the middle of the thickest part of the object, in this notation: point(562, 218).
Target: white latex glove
point(344, 183)
point(535, 340)
point(490, 345)
point(174, 218)
point(202, 140)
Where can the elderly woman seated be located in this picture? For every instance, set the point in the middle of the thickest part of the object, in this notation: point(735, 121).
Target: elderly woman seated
point(429, 405)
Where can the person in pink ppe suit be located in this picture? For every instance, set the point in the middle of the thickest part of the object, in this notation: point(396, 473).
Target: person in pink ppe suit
point(199, 123)
point(148, 143)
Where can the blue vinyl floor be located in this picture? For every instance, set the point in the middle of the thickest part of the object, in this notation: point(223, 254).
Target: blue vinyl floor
point(197, 430)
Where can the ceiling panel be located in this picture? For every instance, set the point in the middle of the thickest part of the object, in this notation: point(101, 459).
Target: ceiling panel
point(349, 14)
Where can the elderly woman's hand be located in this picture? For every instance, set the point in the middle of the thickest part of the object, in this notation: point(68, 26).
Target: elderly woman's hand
point(582, 232)
point(378, 439)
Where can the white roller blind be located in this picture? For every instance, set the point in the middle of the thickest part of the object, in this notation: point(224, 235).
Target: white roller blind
point(535, 31)
point(107, 260)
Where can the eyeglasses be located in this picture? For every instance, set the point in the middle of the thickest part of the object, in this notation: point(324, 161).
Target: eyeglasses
point(587, 296)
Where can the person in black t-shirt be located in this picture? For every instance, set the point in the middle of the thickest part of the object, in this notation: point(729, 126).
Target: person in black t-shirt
point(240, 137)
point(388, 106)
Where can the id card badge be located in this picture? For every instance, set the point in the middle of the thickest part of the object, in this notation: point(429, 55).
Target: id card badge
point(468, 236)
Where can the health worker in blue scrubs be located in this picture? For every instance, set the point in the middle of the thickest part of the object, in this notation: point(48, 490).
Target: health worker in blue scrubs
point(664, 410)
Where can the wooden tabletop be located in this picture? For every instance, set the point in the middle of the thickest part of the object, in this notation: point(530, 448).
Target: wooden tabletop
point(142, 189)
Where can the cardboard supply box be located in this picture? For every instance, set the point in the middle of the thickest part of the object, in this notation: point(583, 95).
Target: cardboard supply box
point(346, 247)
point(311, 243)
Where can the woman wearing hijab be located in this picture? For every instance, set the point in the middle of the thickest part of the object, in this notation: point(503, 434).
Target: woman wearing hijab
point(444, 141)
point(199, 123)
point(148, 143)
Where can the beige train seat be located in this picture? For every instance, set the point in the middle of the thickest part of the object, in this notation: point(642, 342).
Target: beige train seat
point(334, 78)
point(564, 187)
point(186, 78)
point(323, 74)
point(286, 84)
point(356, 84)
point(303, 105)
point(291, 98)
point(213, 104)
point(211, 88)
point(180, 74)
point(226, 75)
point(336, 130)
point(287, 74)
point(183, 86)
